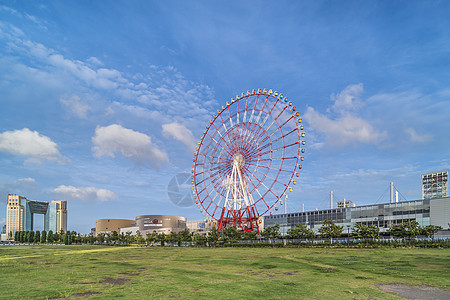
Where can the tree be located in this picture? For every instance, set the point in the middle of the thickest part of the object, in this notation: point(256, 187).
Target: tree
point(249, 235)
point(128, 237)
point(139, 238)
point(66, 238)
point(37, 236)
point(330, 230)
point(162, 238)
point(184, 236)
point(301, 231)
point(16, 236)
point(73, 236)
point(396, 231)
point(30, 236)
point(114, 237)
point(231, 234)
point(172, 238)
point(365, 232)
point(271, 232)
point(213, 236)
point(151, 237)
point(200, 239)
point(50, 237)
point(44, 236)
point(101, 237)
point(57, 237)
point(411, 229)
point(430, 230)
point(108, 238)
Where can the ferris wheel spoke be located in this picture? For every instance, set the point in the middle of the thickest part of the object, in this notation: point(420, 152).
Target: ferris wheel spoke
point(262, 109)
point(212, 138)
point(268, 190)
point(257, 133)
point(270, 168)
point(250, 120)
point(280, 148)
point(245, 110)
point(226, 130)
point(279, 158)
point(284, 136)
point(275, 120)
point(213, 157)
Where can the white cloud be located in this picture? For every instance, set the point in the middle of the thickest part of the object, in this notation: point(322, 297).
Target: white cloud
point(180, 133)
point(346, 127)
point(133, 145)
point(29, 143)
point(27, 180)
point(94, 60)
point(348, 100)
point(343, 130)
point(22, 186)
point(417, 138)
point(76, 106)
point(69, 192)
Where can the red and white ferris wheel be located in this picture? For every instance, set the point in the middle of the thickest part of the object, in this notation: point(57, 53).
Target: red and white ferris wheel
point(248, 158)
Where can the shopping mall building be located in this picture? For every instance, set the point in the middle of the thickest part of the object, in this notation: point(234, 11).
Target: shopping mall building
point(144, 224)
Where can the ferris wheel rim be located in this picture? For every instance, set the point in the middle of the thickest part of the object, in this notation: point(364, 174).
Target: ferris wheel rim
point(231, 150)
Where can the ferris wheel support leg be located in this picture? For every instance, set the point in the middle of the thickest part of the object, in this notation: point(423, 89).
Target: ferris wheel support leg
point(221, 220)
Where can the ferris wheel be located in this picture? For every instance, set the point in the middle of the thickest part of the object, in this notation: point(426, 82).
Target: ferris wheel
point(248, 159)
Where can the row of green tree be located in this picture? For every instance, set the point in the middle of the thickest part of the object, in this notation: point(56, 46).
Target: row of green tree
point(29, 236)
point(329, 230)
point(150, 238)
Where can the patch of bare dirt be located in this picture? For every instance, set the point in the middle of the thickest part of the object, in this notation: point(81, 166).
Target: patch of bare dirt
point(129, 273)
point(424, 292)
point(115, 281)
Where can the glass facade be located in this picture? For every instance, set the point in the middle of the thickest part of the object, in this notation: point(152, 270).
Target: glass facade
point(20, 214)
point(435, 185)
point(383, 216)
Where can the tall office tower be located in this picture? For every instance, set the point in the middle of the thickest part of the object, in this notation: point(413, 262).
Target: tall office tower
point(14, 214)
point(20, 214)
point(61, 215)
point(435, 185)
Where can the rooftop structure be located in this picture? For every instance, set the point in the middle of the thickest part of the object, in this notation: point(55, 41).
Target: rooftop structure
point(434, 211)
point(435, 185)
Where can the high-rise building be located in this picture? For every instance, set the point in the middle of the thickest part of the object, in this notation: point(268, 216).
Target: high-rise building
point(435, 185)
point(20, 214)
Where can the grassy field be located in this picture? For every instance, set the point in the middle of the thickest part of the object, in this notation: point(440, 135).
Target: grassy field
point(269, 273)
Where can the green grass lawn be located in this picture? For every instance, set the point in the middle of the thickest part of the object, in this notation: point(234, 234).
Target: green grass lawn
point(268, 273)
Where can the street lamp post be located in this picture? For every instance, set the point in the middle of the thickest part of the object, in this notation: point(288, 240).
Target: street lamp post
point(348, 234)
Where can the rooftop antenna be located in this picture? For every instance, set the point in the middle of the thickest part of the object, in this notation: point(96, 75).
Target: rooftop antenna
point(392, 192)
point(331, 199)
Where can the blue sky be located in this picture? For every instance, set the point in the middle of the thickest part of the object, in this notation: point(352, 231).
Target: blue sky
point(103, 102)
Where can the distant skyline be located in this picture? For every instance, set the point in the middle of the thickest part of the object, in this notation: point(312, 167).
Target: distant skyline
point(102, 103)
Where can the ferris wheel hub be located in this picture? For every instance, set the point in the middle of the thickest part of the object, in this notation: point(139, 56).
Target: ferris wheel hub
point(238, 160)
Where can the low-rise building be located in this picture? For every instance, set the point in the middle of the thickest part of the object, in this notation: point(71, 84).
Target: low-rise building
point(201, 227)
point(110, 225)
point(426, 212)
